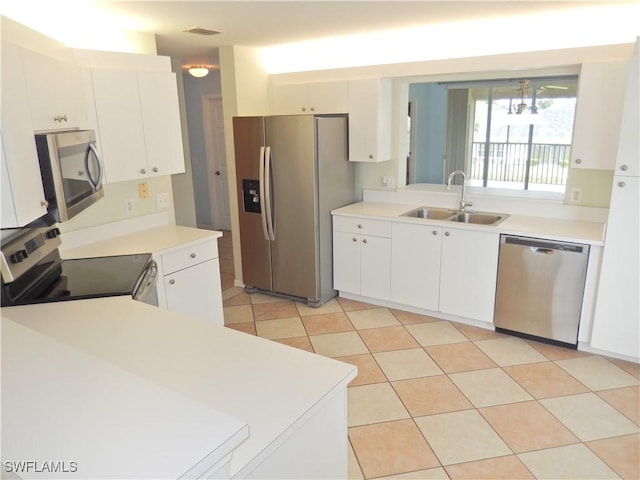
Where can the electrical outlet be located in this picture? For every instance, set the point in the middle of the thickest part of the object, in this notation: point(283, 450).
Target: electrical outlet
point(143, 190)
point(576, 195)
point(387, 181)
point(162, 201)
point(129, 206)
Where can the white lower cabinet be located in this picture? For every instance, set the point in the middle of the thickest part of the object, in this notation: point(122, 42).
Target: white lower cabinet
point(616, 327)
point(415, 267)
point(450, 270)
point(190, 281)
point(191, 291)
point(468, 271)
point(362, 256)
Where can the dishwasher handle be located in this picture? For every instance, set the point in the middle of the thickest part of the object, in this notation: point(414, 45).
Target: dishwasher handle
point(543, 246)
point(542, 251)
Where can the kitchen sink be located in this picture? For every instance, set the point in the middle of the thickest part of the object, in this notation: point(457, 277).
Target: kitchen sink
point(430, 213)
point(476, 218)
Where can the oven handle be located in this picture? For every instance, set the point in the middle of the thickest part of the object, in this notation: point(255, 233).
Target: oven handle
point(146, 281)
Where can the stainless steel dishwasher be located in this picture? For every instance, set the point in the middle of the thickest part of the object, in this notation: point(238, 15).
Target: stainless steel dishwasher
point(540, 288)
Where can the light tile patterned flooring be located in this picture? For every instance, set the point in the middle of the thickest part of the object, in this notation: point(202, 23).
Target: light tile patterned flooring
point(436, 399)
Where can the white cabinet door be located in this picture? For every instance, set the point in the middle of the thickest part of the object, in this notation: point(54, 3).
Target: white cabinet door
point(598, 113)
point(22, 194)
point(616, 327)
point(289, 99)
point(161, 123)
point(468, 273)
point(329, 97)
point(346, 262)
point(628, 162)
point(310, 98)
point(370, 120)
point(56, 96)
point(415, 267)
point(375, 267)
point(196, 291)
point(119, 115)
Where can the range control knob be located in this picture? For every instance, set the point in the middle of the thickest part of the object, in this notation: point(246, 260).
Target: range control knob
point(19, 256)
point(53, 233)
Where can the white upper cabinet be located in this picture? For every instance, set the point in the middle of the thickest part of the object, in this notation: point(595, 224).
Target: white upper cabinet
point(119, 116)
point(138, 123)
point(56, 98)
point(23, 197)
point(370, 120)
point(161, 122)
point(628, 159)
point(601, 92)
point(309, 98)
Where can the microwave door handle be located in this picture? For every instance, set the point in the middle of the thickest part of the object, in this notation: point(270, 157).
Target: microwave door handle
point(95, 184)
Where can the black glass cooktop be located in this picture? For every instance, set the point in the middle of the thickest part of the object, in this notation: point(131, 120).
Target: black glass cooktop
point(77, 279)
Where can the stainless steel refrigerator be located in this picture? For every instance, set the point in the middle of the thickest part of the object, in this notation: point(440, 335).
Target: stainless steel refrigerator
point(291, 172)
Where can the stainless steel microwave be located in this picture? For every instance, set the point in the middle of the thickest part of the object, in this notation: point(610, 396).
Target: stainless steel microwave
point(72, 171)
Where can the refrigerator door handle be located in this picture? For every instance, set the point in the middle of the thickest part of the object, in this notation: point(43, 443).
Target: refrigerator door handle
point(267, 188)
point(263, 215)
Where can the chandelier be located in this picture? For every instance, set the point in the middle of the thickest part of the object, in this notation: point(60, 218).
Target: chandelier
point(522, 107)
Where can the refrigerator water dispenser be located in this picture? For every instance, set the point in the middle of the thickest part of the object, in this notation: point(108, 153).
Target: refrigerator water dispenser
point(251, 195)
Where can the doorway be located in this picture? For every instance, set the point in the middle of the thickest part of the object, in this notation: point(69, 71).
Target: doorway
point(213, 126)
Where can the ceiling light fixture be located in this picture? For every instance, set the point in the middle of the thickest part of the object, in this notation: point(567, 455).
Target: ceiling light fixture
point(521, 107)
point(198, 71)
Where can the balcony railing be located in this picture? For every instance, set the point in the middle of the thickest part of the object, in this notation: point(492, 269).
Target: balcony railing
point(507, 162)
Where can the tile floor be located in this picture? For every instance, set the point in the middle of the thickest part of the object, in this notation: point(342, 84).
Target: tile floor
point(437, 399)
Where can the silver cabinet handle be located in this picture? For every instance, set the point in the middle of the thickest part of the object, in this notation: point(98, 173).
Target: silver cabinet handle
point(359, 225)
point(155, 169)
point(143, 171)
point(624, 168)
point(364, 240)
point(622, 184)
point(578, 161)
point(60, 118)
point(172, 281)
point(312, 109)
point(303, 109)
point(44, 203)
point(354, 239)
point(446, 234)
point(80, 173)
point(193, 255)
point(371, 156)
point(435, 232)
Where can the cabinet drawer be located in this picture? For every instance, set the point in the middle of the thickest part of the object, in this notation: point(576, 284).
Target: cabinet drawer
point(189, 256)
point(365, 226)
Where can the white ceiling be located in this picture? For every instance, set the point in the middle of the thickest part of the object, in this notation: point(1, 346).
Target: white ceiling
point(267, 23)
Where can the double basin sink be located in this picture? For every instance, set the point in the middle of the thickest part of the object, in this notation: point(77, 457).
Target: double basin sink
point(477, 218)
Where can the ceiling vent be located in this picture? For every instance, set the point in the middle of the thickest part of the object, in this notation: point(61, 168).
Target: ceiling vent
point(201, 31)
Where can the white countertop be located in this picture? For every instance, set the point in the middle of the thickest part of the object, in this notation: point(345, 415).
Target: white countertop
point(153, 240)
point(267, 385)
point(540, 227)
point(60, 404)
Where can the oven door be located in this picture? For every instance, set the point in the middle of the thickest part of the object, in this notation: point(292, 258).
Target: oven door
point(72, 171)
point(145, 289)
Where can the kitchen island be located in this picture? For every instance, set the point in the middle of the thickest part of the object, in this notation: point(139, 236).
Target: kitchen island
point(197, 384)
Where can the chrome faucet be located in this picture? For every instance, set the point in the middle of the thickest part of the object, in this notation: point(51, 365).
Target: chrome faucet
point(463, 202)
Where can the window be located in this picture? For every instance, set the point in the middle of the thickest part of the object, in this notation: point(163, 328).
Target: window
point(467, 126)
point(518, 133)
